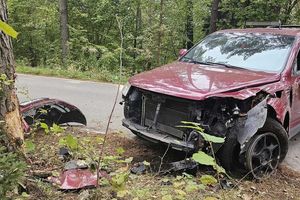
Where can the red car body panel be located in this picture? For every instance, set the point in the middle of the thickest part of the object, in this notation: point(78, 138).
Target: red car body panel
point(197, 82)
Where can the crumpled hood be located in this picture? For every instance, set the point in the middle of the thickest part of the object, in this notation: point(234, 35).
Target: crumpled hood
point(197, 82)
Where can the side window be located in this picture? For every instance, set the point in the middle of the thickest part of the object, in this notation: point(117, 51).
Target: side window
point(297, 65)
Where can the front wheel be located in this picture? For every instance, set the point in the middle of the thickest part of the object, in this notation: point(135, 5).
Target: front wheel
point(266, 149)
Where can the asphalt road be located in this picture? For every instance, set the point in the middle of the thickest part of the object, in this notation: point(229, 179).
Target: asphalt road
point(95, 100)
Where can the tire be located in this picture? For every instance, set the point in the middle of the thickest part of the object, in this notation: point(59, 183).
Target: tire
point(275, 127)
point(229, 154)
point(266, 149)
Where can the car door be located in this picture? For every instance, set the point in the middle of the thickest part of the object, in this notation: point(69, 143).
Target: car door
point(295, 98)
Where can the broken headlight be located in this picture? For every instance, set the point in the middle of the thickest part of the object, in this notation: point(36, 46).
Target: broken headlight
point(126, 89)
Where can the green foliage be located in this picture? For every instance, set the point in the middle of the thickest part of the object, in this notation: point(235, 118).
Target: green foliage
point(198, 129)
point(208, 180)
point(69, 141)
point(148, 41)
point(45, 127)
point(56, 129)
point(202, 157)
point(29, 146)
point(11, 171)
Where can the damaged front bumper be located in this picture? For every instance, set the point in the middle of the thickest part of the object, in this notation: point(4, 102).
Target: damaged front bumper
point(156, 137)
point(156, 118)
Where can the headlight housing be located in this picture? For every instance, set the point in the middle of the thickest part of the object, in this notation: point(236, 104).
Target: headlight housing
point(126, 89)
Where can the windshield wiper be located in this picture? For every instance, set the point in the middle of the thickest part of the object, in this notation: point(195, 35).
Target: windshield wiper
point(226, 65)
point(190, 60)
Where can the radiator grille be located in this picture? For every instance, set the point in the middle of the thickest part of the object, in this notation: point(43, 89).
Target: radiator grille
point(171, 114)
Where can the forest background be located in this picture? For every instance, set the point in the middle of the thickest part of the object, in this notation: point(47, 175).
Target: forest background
point(83, 36)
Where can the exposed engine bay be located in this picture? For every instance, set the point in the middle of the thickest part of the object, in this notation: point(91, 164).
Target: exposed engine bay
point(156, 117)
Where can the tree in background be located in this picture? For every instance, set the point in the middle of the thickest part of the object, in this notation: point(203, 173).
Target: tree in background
point(154, 31)
point(214, 16)
point(64, 30)
point(10, 119)
point(189, 24)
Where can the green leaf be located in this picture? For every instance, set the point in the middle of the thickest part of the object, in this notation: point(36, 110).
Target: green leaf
point(7, 29)
point(208, 180)
point(180, 192)
point(25, 195)
point(220, 169)
point(120, 151)
point(29, 146)
point(204, 159)
point(211, 138)
point(122, 193)
point(56, 128)
point(167, 197)
point(178, 184)
point(69, 141)
point(146, 163)
point(210, 198)
point(207, 137)
point(193, 186)
point(45, 127)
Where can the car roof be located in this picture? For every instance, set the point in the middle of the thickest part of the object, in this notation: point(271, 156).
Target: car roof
point(276, 31)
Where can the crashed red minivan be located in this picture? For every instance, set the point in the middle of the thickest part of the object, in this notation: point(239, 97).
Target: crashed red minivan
point(242, 84)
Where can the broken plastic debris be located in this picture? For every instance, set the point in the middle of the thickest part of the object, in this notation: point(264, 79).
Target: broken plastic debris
point(76, 164)
point(64, 154)
point(77, 179)
point(138, 168)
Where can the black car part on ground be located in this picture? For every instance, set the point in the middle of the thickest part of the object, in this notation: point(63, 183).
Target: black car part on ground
point(51, 111)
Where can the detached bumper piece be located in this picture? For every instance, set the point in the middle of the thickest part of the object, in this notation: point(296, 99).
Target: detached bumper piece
point(157, 137)
point(50, 111)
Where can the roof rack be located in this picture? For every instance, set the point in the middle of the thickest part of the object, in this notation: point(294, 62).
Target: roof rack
point(270, 25)
point(287, 26)
point(263, 24)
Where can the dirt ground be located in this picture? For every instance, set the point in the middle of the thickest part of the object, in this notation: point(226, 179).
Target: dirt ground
point(284, 184)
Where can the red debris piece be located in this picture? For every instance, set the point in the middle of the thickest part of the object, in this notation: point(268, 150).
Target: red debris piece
point(77, 179)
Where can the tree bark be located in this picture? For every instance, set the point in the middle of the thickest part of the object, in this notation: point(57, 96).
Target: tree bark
point(214, 16)
point(189, 25)
point(64, 30)
point(10, 119)
point(138, 24)
point(160, 31)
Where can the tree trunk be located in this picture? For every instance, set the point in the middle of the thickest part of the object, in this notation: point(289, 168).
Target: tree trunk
point(64, 31)
point(160, 32)
point(10, 119)
point(290, 5)
point(138, 24)
point(214, 16)
point(189, 25)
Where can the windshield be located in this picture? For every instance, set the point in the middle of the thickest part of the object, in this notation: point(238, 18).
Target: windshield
point(253, 51)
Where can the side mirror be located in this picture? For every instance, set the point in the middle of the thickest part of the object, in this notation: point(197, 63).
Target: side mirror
point(182, 52)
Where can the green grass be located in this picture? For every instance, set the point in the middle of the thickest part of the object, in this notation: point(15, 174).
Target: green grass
point(94, 75)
